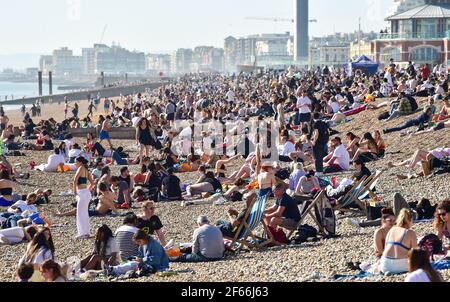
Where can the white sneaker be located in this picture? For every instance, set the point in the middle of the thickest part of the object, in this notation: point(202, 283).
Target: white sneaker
point(353, 222)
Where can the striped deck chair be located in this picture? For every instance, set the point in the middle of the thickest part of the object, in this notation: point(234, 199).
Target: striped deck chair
point(354, 192)
point(252, 219)
point(370, 186)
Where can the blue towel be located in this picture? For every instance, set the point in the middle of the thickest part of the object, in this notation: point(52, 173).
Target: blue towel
point(441, 265)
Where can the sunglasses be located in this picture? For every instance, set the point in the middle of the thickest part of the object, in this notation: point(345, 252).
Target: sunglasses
point(150, 208)
point(442, 214)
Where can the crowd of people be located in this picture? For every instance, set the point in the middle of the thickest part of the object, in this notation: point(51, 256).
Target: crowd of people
point(279, 124)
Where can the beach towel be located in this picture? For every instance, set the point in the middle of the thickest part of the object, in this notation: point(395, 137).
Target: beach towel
point(355, 111)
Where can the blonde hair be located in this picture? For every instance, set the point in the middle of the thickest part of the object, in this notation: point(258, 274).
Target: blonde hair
point(404, 219)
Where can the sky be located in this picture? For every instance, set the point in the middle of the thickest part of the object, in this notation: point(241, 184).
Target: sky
point(39, 26)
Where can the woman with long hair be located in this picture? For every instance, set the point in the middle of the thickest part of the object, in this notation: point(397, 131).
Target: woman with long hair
point(83, 192)
point(368, 149)
point(105, 250)
point(52, 272)
point(442, 221)
point(399, 241)
point(420, 269)
point(353, 142)
point(40, 249)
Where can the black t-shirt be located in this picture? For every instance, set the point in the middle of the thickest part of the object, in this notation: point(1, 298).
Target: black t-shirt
point(291, 208)
point(172, 183)
point(364, 172)
point(150, 226)
point(215, 183)
point(324, 134)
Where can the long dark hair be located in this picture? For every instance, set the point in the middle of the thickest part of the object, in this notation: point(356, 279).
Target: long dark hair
point(443, 206)
point(83, 161)
point(102, 241)
point(368, 136)
point(39, 241)
point(420, 259)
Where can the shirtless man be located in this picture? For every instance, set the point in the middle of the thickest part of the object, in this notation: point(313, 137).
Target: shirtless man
point(104, 133)
point(104, 207)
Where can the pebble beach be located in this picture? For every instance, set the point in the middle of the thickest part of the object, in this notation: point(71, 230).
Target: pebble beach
point(319, 261)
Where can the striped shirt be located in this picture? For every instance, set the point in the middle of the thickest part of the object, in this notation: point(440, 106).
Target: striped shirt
point(124, 239)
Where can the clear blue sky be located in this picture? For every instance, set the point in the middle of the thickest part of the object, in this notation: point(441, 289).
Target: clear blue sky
point(39, 26)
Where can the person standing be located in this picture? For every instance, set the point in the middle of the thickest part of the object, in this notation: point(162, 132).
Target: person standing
point(319, 139)
point(304, 107)
point(104, 133)
point(83, 193)
point(144, 138)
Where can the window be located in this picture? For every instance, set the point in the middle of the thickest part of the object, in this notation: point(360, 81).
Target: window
point(390, 53)
point(427, 54)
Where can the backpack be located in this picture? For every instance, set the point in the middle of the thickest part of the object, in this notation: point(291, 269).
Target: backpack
point(303, 233)
point(278, 235)
point(432, 244)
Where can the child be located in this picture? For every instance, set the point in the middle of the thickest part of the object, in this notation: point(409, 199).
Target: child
point(25, 272)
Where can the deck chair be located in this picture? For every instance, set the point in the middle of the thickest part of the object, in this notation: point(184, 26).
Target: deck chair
point(354, 192)
point(252, 219)
point(370, 186)
point(307, 212)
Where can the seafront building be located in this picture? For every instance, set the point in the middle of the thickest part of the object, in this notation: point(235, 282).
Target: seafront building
point(420, 34)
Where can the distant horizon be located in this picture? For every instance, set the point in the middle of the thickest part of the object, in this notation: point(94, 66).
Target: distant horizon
point(169, 24)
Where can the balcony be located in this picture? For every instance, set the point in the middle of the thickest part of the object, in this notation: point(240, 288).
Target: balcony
point(415, 36)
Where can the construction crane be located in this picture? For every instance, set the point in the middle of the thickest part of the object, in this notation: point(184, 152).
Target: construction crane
point(103, 34)
point(277, 19)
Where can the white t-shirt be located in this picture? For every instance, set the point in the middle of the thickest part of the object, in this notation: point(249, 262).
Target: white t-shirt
point(111, 247)
point(231, 96)
point(23, 206)
point(74, 153)
point(342, 157)
point(417, 276)
point(53, 162)
point(135, 120)
point(41, 257)
point(287, 149)
point(335, 106)
point(304, 104)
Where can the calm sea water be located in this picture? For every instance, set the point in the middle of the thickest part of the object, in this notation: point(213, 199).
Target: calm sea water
point(20, 90)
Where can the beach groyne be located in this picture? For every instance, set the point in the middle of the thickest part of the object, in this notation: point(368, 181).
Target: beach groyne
point(83, 95)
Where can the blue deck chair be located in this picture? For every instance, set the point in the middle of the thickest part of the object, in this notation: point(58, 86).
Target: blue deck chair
point(252, 219)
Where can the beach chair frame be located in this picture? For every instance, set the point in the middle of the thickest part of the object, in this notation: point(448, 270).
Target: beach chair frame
point(307, 212)
point(244, 226)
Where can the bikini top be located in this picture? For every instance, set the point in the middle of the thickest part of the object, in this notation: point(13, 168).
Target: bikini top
point(400, 243)
point(82, 181)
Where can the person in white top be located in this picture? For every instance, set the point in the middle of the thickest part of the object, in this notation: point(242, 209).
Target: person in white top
point(54, 161)
point(304, 106)
point(420, 268)
point(339, 160)
point(231, 96)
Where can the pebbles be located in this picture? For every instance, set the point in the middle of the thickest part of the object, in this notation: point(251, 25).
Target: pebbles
point(309, 262)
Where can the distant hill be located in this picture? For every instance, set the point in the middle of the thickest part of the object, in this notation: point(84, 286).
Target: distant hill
point(19, 61)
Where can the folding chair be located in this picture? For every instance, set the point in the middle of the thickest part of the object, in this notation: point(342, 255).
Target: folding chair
point(307, 212)
point(354, 192)
point(251, 220)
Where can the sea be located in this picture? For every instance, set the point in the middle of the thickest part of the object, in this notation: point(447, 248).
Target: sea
point(13, 90)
